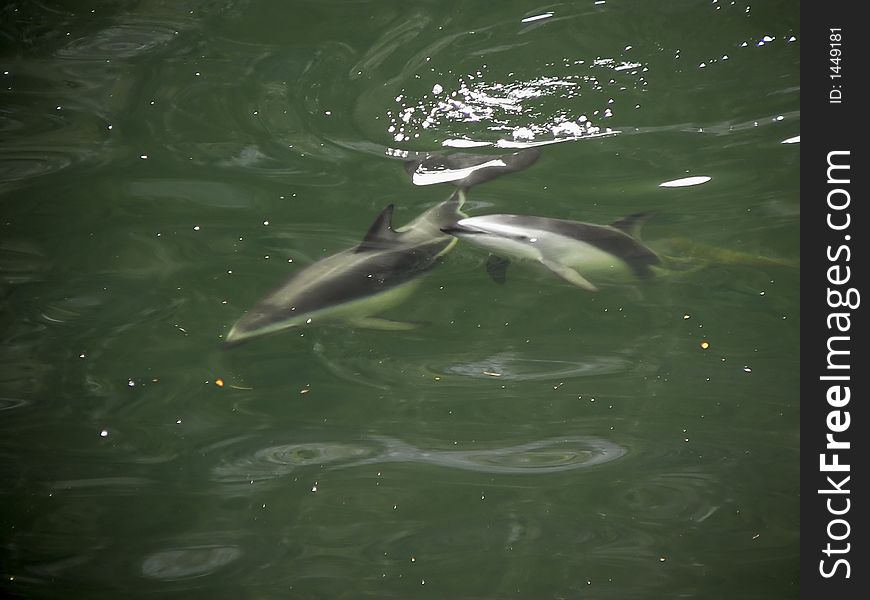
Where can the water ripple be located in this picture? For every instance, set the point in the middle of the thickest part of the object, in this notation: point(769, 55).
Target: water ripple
point(513, 367)
point(10, 403)
point(362, 364)
point(21, 261)
point(188, 562)
point(116, 486)
point(24, 163)
point(124, 40)
point(278, 461)
point(533, 458)
point(690, 494)
point(464, 90)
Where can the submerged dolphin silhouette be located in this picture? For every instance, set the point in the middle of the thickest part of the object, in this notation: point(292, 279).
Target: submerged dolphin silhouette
point(360, 282)
point(562, 246)
point(464, 169)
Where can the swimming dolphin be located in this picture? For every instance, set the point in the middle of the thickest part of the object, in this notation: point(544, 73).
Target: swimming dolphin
point(358, 283)
point(560, 245)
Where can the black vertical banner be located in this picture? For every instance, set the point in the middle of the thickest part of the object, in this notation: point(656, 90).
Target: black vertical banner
point(834, 261)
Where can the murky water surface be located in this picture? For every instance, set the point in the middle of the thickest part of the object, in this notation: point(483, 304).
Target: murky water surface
point(166, 164)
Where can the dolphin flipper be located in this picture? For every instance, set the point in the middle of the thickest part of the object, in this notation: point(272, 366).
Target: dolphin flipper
point(383, 324)
point(569, 275)
point(496, 267)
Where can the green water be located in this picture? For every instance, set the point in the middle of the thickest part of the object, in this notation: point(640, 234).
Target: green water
point(165, 164)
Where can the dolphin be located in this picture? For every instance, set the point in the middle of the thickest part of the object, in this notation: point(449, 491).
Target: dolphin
point(562, 246)
point(358, 283)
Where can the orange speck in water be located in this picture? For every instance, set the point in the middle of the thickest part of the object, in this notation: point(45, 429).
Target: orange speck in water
point(705, 344)
point(219, 382)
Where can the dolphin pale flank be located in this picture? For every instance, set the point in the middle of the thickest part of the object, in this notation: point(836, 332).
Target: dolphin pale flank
point(359, 283)
point(564, 247)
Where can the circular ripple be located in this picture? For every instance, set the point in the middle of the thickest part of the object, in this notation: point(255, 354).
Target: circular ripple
point(533, 458)
point(380, 368)
point(688, 494)
point(119, 41)
point(512, 367)
point(278, 461)
point(544, 460)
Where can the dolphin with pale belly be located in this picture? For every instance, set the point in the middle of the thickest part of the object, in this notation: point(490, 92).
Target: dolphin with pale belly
point(358, 283)
point(564, 247)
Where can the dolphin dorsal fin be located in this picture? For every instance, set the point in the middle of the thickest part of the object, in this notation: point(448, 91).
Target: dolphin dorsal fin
point(381, 233)
point(632, 224)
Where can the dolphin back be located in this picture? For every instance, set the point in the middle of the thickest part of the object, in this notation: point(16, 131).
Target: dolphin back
point(619, 239)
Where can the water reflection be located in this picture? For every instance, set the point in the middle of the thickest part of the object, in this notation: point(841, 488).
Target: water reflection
point(22, 163)
point(515, 109)
point(278, 461)
point(249, 116)
point(689, 494)
point(511, 366)
point(124, 40)
point(7, 403)
point(374, 366)
point(186, 563)
point(533, 458)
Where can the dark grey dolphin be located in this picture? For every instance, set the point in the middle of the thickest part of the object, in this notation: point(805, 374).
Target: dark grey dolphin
point(359, 282)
